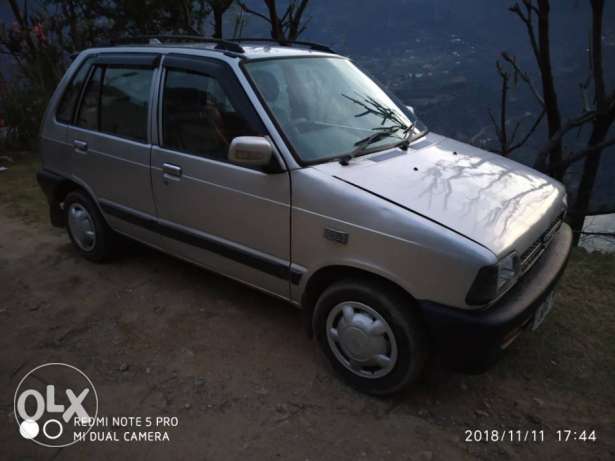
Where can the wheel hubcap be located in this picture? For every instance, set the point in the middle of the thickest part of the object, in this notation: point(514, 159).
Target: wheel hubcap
point(361, 339)
point(81, 226)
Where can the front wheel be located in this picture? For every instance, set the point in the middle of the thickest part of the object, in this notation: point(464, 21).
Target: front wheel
point(370, 335)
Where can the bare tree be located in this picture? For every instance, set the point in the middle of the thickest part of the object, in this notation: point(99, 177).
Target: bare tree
point(509, 141)
point(218, 8)
point(239, 23)
point(287, 27)
point(542, 53)
point(598, 110)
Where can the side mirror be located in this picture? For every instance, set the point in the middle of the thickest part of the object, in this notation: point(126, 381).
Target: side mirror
point(411, 109)
point(250, 151)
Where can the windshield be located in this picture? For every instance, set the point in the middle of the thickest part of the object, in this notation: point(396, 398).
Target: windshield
point(328, 108)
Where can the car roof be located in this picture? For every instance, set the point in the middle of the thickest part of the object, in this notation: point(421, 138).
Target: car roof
point(247, 49)
point(267, 50)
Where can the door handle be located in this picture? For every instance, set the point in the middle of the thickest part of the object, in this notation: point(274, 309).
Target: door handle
point(172, 170)
point(80, 146)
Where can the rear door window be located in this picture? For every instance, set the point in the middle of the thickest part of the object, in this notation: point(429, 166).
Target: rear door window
point(124, 102)
point(116, 101)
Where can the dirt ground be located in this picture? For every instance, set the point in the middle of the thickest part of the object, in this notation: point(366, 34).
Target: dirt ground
point(158, 336)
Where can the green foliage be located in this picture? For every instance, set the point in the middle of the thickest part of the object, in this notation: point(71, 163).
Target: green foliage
point(22, 105)
point(40, 62)
point(40, 43)
point(20, 195)
point(40, 65)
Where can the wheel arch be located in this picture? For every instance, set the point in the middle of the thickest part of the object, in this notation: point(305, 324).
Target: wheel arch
point(322, 278)
point(56, 188)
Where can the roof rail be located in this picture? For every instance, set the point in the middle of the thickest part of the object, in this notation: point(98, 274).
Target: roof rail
point(160, 39)
point(311, 45)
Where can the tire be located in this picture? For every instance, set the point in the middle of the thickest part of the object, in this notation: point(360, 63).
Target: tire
point(360, 340)
point(83, 216)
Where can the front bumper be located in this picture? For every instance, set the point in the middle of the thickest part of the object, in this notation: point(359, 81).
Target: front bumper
point(472, 341)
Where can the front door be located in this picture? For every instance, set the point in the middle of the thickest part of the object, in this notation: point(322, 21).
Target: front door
point(233, 219)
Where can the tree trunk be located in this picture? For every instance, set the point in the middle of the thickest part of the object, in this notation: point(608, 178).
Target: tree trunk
point(276, 27)
point(503, 101)
point(548, 87)
point(294, 21)
point(218, 23)
point(579, 209)
point(601, 126)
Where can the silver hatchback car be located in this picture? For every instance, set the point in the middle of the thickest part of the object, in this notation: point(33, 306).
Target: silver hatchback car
point(288, 169)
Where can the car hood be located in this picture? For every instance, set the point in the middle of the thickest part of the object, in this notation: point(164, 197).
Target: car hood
point(497, 202)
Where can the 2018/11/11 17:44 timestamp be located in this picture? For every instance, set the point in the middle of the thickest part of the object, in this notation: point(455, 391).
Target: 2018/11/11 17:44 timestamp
point(539, 436)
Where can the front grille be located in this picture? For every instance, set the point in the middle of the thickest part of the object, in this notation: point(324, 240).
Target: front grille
point(531, 255)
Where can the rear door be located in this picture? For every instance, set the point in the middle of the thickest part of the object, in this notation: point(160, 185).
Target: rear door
point(57, 153)
point(233, 219)
point(110, 137)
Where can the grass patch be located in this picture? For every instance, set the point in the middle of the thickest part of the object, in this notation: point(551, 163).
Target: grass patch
point(20, 195)
point(573, 350)
point(585, 318)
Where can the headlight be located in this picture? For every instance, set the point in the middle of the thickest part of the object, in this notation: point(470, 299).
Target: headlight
point(507, 271)
point(491, 281)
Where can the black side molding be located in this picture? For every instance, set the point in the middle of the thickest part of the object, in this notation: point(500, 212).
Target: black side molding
point(263, 262)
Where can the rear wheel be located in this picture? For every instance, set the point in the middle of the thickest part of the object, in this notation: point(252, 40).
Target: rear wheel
point(87, 228)
point(370, 335)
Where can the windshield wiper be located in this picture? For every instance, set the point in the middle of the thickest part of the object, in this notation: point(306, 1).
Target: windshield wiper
point(405, 142)
point(362, 145)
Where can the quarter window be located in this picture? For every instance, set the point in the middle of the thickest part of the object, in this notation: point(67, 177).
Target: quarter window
point(71, 94)
point(198, 116)
point(88, 112)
